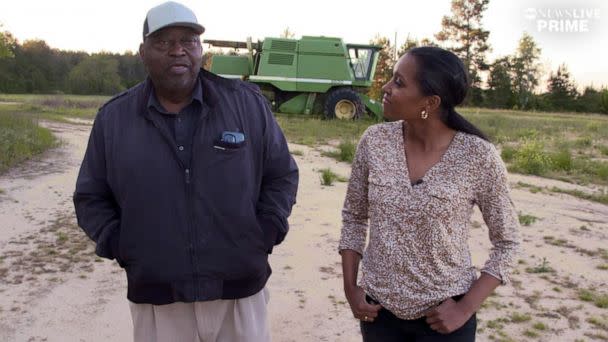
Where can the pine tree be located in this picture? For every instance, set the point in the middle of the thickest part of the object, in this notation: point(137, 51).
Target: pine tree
point(463, 34)
point(562, 90)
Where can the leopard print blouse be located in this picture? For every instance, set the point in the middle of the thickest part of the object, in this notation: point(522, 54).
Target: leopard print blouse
point(418, 253)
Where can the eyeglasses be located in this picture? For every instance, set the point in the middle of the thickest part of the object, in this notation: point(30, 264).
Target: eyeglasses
point(164, 44)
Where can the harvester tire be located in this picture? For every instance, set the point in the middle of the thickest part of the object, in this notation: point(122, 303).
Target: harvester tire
point(343, 103)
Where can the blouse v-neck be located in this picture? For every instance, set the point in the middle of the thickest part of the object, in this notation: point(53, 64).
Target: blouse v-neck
point(429, 172)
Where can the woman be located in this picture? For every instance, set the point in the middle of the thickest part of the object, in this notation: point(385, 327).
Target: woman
point(416, 179)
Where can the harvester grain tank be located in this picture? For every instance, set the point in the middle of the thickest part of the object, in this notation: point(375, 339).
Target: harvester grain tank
point(307, 75)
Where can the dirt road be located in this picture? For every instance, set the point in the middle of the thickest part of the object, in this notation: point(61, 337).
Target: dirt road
point(53, 288)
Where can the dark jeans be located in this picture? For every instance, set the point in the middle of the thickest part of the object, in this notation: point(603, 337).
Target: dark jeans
point(389, 328)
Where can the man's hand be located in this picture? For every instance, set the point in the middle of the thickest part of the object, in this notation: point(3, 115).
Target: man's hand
point(447, 316)
point(359, 306)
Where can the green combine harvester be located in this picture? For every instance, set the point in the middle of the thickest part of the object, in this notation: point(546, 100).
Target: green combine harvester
point(308, 75)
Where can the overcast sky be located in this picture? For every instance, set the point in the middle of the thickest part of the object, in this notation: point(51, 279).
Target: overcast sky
point(116, 26)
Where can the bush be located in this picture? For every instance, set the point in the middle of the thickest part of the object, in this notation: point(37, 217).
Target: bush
point(507, 153)
point(562, 160)
point(531, 158)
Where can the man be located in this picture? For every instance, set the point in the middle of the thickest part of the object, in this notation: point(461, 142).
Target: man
point(187, 182)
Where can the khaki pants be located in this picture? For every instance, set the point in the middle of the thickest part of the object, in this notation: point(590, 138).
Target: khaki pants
point(237, 320)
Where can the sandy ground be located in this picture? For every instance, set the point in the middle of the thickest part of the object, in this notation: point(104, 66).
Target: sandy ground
point(53, 288)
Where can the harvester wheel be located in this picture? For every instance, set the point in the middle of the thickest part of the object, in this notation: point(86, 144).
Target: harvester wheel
point(343, 103)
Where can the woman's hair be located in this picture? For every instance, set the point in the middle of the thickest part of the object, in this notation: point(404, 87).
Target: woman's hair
point(442, 73)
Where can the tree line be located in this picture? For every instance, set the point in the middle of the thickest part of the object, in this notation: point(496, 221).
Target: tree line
point(510, 82)
point(34, 67)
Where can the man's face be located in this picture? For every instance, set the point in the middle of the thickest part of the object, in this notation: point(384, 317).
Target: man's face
point(173, 57)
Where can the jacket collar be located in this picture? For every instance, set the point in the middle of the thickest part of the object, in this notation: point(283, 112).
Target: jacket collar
point(211, 84)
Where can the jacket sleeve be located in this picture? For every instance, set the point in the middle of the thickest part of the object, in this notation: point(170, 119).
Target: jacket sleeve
point(279, 182)
point(96, 209)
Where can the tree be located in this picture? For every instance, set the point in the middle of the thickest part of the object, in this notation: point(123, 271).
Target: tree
point(5, 44)
point(526, 70)
point(409, 43)
point(97, 74)
point(500, 91)
point(562, 90)
point(287, 34)
point(384, 67)
point(463, 34)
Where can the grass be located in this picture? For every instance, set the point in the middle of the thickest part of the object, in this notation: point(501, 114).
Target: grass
point(599, 322)
point(517, 317)
point(345, 152)
point(21, 138)
point(598, 196)
point(526, 220)
point(562, 146)
point(542, 268)
point(297, 153)
point(328, 177)
point(552, 145)
point(312, 131)
point(599, 299)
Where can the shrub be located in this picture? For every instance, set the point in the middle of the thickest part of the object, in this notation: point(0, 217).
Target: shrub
point(531, 158)
point(562, 160)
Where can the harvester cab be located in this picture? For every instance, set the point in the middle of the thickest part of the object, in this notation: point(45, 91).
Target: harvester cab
point(307, 75)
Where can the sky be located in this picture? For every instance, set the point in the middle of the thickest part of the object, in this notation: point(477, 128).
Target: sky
point(573, 32)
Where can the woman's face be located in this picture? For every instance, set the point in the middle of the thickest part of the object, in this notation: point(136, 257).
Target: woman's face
point(402, 98)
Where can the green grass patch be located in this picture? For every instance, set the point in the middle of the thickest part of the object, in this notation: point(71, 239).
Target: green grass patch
point(297, 153)
point(531, 158)
point(312, 131)
point(517, 317)
point(532, 188)
point(599, 196)
point(540, 326)
point(543, 267)
point(526, 220)
point(530, 333)
point(599, 299)
point(599, 322)
point(328, 177)
point(345, 152)
point(21, 138)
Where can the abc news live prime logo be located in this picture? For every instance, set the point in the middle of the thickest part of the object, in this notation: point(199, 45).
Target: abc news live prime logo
point(562, 20)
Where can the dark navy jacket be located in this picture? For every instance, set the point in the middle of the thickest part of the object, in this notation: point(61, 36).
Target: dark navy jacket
point(187, 234)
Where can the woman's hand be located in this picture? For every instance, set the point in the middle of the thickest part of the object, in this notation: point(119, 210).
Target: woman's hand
point(448, 316)
point(359, 306)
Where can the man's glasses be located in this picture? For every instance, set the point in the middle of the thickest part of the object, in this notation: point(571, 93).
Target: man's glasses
point(164, 44)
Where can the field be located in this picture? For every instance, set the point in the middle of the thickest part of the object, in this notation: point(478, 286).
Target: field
point(53, 287)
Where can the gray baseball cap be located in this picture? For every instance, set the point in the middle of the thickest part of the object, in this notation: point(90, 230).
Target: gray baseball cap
point(169, 14)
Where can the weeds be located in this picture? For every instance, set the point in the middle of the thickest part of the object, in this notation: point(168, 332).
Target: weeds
point(21, 138)
point(599, 299)
point(599, 196)
point(345, 152)
point(599, 322)
point(526, 220)
point(328, 177)
point(542, 268)
point(517, 317)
